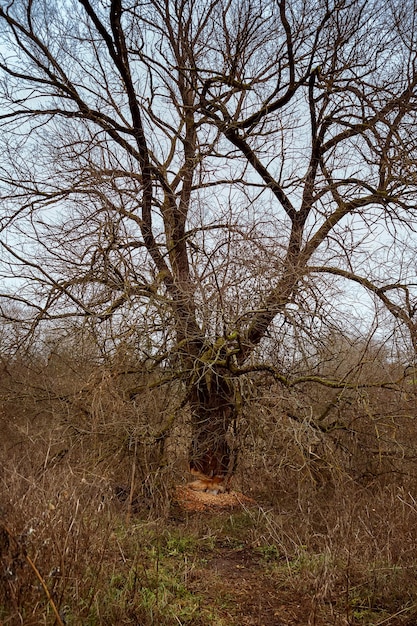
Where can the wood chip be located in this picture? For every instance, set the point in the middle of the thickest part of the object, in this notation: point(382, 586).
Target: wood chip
point(191, 500)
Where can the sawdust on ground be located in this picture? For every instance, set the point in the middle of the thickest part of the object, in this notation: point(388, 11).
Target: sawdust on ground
point(191, 500)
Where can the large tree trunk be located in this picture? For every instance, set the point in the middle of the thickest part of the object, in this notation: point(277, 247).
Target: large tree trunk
point(213, 410)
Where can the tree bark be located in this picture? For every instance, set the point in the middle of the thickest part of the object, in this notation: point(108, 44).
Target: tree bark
point(213, 413)
point(212, 400)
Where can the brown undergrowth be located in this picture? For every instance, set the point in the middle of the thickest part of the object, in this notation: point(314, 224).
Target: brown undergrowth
point(322, 531)
point(72, 549)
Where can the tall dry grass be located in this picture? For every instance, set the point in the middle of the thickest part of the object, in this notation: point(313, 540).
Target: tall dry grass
point(85, 498)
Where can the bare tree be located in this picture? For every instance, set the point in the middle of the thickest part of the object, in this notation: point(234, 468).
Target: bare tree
point(214, 167)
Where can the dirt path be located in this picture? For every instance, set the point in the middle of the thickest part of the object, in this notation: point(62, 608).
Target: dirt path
point(251, 597)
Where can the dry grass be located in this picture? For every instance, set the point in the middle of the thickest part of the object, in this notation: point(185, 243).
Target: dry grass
point(91, 535)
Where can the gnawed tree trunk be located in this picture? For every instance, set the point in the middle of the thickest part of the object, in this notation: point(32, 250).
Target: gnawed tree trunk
point(213, 413)
point(214, 403)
